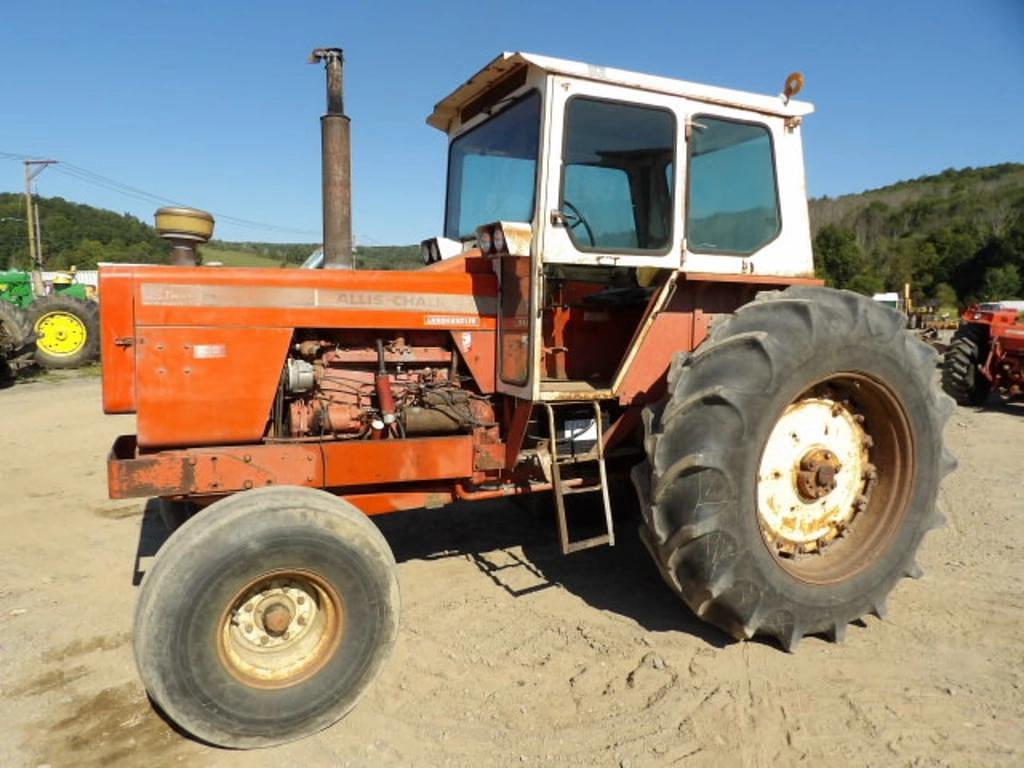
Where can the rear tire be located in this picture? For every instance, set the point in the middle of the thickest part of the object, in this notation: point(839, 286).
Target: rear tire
point(16, 337)
point(68, 331)
point(961, 377)
point(786, 377)
point(265, 619)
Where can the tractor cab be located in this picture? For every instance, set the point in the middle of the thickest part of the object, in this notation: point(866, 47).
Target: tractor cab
point(595, 190)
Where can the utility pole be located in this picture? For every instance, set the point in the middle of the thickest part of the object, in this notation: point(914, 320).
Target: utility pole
point(35, 242)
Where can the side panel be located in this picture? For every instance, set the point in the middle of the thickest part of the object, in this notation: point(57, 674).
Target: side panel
point(303, 298)
point(477, 349)
point(207, 386)
point(352, 464)
point(681, 324)
point(117, 339)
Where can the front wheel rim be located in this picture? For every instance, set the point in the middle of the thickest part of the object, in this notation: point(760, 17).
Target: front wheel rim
point(835, 478)
point(281, 628)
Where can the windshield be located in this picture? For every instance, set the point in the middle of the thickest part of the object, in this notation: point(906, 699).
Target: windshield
point(492, 170)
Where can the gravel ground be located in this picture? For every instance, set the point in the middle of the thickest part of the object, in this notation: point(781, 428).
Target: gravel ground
point(509, 653)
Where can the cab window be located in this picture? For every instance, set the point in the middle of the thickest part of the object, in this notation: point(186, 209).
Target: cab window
point(492, 170)
point(616, 189)
point(733, 201)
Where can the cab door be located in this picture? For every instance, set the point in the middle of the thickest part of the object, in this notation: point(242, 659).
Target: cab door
point(612, 189)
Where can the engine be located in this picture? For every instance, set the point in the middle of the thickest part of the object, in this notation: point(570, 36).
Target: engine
point(381, 389)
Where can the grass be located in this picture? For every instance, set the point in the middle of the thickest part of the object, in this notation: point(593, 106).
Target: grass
point(233, 258)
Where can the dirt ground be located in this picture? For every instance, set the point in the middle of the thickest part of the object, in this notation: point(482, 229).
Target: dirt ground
point(510, 654)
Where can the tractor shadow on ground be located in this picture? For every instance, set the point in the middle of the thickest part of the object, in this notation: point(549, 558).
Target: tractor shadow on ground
point(999, 405)
point(152, 535)
point(621, 579)
point(511, 544)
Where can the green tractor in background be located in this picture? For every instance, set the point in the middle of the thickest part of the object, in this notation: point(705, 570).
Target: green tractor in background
point(63, 326)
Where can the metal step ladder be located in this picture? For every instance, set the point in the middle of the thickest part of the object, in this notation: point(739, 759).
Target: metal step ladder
point(561, 490)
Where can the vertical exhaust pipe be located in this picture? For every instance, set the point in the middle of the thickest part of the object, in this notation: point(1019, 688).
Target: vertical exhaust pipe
point(337, 165)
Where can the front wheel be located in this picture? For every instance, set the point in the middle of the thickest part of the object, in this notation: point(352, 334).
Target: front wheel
point(793, 469)
point(265, 618)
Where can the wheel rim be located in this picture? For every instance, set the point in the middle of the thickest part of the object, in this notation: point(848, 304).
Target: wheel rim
point(834, 480)
point(280, 629)
point(60, 334)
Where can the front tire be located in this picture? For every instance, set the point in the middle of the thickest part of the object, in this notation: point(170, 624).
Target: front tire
point(266, 617)
point(793, 468)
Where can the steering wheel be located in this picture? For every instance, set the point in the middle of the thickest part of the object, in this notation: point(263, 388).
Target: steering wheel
point(579, 219)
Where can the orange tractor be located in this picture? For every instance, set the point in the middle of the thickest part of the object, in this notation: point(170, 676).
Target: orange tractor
point(625, 282)
point(986, 353)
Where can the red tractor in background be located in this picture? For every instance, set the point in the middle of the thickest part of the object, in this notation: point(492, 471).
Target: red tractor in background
point(986, 354)
point(625, 282)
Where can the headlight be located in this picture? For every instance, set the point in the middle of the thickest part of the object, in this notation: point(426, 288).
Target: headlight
point(483, 240)
point(499, 240)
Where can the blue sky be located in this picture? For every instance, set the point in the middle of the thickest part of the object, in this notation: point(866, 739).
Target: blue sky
point(213, 104)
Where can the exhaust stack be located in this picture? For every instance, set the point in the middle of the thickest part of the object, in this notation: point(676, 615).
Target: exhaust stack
point(337, 165)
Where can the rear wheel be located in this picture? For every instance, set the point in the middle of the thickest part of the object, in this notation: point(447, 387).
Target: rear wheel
point(961, 377)
point(16, 339)
point(793, 469)
point(15, 329)
point(265, 618)
point(68, 331)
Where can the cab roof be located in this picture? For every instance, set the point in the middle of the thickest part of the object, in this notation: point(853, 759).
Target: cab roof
point(507, 62)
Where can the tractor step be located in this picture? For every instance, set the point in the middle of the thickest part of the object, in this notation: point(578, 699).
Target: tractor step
point(560, 488)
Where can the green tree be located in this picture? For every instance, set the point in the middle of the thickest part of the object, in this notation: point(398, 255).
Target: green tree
point(1001, 283)
point(945, 296)
point(837, 256)
point(866, 283)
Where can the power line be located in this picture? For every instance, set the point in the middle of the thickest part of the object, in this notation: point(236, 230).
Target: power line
point(112, 185)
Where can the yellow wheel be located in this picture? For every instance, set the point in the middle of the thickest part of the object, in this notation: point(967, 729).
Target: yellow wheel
point(67, 331)
point(60, 333)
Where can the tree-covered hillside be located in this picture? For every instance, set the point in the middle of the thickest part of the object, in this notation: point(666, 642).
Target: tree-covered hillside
point(75, 234)
point(955, 237)
point(80, 235)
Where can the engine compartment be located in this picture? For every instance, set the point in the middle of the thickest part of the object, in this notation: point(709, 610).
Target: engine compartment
point(360, 385)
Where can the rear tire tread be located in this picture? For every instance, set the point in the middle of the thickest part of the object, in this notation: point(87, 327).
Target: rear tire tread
point(690, 547)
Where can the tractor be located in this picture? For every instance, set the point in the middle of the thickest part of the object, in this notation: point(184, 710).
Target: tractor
point(986, 354)
point(624, 287)
point(65, 321)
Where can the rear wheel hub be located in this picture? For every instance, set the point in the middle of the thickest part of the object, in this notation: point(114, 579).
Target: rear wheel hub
point(813, 474)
